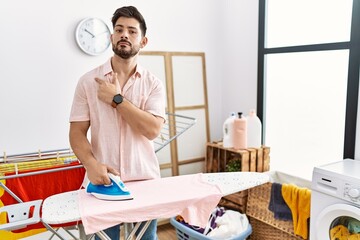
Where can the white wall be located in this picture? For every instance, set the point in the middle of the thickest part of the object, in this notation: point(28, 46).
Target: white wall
point(41, 63)
point(240, 65)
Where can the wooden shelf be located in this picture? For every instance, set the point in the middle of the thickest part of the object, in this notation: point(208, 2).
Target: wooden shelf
point(218, 159)
point(251, 159)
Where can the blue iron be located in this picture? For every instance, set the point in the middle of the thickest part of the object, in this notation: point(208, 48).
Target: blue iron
point(114, 191)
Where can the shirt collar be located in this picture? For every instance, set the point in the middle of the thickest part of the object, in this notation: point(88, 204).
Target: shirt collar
point(107, 69)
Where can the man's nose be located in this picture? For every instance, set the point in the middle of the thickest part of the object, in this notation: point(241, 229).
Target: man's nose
point(124, 34)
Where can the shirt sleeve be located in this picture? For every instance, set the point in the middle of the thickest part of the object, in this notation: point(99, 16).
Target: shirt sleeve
point(80, 108)
point(155, 104)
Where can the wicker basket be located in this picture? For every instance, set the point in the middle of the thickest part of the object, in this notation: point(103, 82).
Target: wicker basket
point(265, 226)
point(264, 231)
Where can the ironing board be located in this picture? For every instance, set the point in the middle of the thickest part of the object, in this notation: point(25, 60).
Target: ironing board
point(63, 160)
point(64, 207)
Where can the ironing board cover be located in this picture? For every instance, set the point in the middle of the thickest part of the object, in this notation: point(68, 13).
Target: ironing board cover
point(187, 195)
point(191, 196)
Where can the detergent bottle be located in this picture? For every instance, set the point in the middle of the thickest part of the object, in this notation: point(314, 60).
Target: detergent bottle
point(240, 132)
point(253, 130)
point(228, 130)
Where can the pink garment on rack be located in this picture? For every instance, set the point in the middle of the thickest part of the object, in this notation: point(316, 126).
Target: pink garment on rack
point(186, 195)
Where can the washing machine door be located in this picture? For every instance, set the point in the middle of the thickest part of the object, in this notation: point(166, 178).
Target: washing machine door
point(338, 221)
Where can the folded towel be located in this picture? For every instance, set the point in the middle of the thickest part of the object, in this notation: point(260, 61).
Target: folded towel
point(277, 204)
point(298, 199)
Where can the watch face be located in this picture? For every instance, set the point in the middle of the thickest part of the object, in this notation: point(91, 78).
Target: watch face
point(93, 36)
point(118, 99)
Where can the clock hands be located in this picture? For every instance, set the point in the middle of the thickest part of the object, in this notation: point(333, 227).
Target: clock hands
point(101, 33)
point(89, 32)
point(94, 35)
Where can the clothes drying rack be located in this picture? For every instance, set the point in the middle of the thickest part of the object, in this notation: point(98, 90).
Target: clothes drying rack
point(41, 162)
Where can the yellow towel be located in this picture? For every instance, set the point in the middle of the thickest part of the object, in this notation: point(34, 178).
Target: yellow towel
point(339, 232)
point(354, 237)
point(298, 200)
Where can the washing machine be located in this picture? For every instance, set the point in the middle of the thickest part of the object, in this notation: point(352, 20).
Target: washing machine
point(335, 201)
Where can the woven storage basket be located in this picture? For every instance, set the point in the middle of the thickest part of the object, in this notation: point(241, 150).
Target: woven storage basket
point(265, 226)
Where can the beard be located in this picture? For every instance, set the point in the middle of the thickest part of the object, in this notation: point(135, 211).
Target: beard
point(123, 53)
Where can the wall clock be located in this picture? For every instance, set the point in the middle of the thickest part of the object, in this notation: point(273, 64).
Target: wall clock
point(93, 36)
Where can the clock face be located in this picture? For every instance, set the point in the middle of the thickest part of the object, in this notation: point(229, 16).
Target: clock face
point(93, 36)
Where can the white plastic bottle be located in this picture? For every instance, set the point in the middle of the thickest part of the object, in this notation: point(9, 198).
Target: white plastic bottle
point(228, 130)
point(240, 132)
point(253, 130)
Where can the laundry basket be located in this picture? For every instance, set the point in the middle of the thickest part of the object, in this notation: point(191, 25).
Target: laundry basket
point(264, 225)
point(185, 233)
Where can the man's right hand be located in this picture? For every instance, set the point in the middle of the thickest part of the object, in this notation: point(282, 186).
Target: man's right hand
point(98, 173)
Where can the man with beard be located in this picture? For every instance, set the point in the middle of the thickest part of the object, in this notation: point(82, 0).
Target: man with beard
point(124, 105)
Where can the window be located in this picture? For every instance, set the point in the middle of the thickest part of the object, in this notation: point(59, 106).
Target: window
point(304, 22)
point(308, 82)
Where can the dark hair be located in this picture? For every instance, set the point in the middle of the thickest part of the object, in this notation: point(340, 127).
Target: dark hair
point(129, 12)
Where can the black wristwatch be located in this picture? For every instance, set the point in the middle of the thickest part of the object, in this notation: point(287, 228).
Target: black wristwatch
point(117, 99)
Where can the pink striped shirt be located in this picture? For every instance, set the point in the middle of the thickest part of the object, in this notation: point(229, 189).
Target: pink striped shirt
point(113, 141)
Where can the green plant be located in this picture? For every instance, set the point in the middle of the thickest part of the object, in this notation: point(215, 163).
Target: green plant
point(234, 165)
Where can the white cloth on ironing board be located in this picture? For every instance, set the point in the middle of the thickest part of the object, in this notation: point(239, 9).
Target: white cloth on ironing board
point(187, 195)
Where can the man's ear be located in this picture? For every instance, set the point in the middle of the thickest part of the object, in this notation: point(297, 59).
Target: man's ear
point(144, 41)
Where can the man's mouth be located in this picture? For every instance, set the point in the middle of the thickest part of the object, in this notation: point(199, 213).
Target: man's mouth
point(124, 43)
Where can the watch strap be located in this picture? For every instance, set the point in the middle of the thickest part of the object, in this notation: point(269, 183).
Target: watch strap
point(113, 104)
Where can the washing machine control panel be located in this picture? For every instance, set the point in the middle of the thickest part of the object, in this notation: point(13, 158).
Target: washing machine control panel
point(352, 193)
